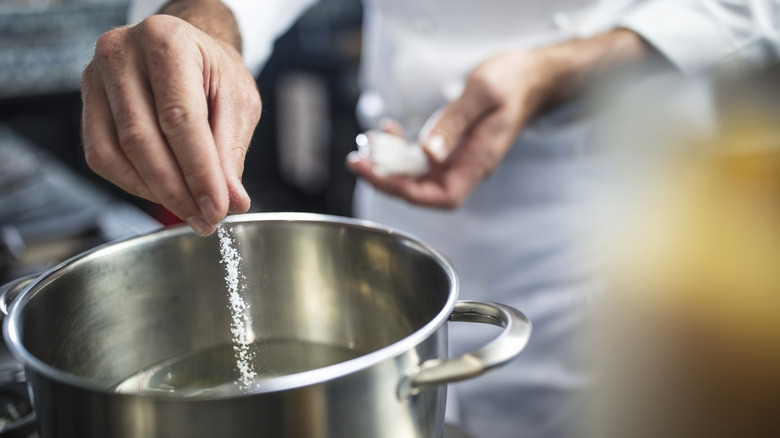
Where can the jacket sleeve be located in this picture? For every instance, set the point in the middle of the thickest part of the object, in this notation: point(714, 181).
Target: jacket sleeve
point(699, 35)
point(260, 23)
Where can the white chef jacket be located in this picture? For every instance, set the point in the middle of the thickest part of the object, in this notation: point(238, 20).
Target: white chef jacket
point(515, 239)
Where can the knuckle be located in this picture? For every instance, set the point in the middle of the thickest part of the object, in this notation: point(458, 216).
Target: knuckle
point(133, 140)
point(109, 46)
point(174, 117)
point(159, 30)
point(238, 152)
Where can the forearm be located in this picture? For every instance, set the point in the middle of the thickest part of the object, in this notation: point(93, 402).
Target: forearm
point(210, 16)
point(573, 64)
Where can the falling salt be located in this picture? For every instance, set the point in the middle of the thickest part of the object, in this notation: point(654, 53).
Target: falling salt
point(239, 314)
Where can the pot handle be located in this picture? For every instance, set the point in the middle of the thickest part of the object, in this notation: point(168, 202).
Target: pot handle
point(508, 345)
point(9, 291)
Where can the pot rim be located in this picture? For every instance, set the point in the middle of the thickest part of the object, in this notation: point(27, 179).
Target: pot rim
point(11, 323)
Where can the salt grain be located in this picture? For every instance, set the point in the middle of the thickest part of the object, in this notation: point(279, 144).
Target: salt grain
point(240, 318)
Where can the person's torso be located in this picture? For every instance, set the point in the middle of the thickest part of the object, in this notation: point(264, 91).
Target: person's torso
point(418, 53)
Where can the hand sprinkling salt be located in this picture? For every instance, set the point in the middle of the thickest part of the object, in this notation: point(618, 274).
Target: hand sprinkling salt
point(240, 318)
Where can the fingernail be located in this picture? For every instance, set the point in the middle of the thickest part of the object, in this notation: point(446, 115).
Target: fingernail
point(208, 210)
point(436, 147)
point(199, 225)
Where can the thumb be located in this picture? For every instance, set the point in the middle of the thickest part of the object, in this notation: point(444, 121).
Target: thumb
point(452, 124)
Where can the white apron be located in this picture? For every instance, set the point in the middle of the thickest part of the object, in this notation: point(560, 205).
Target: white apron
point(515, 241)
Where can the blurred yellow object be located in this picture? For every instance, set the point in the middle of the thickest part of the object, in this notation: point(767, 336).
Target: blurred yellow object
point(694, 332)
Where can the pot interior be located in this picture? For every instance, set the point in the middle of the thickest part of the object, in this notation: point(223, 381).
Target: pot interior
point(319, 292)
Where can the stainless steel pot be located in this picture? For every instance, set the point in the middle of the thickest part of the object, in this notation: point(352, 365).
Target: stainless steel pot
point(312, 282)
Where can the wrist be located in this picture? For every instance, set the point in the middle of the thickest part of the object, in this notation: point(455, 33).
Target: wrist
point(211, 16)
point(556, 70)
point(572, 64)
